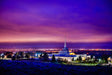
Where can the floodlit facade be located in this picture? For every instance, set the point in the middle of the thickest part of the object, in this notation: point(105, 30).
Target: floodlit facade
point(65, 54)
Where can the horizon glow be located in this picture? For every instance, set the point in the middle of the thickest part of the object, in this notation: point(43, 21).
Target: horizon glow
point(51, 21)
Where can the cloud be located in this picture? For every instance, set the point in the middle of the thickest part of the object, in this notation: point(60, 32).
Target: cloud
point(51, 21)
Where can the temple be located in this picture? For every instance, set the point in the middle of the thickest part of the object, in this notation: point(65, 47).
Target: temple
point(65, 51)
point(68, 55)
point(64, 54)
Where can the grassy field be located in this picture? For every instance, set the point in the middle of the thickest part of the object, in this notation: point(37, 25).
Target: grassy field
point(30, 67)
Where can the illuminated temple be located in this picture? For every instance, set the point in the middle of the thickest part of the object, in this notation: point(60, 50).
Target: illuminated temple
point(67, 54)
point(65, 51)
point(64, 54)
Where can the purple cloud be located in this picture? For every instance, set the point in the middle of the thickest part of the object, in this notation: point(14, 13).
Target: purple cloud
point(81, 21)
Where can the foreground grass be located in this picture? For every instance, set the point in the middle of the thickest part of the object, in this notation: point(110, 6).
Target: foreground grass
point(28, 67)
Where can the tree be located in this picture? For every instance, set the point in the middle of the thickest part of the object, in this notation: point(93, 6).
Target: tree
point(104, 57)
point(65, 60)
point(60, 60)
point(80, 58)
point(27, 55)
point(73, 59)
point(91, 56)
point(9, 56)
point(18, 56)
point(3, 56)
point(45, 57)
point(53, 59)
point(21, 54)
point(41, 55)
point(13, 58)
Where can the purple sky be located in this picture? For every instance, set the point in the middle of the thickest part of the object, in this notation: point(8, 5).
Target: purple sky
point(52, 20)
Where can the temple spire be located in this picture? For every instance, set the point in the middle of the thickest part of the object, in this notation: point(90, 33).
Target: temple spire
point(65, 43)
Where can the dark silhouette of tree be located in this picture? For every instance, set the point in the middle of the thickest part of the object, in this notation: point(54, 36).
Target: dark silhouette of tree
point(91, 56)
point(104, 57)
point(27, 55)
point(21, 54)
point(53, 59)
point(45, 57)
point(80, 58)
point(60, 60)
point(41, 55)
point(2, 56)
point(18, 56)
point(9, 56)
point(73, 59)
point(65, 60)
point(13, 58)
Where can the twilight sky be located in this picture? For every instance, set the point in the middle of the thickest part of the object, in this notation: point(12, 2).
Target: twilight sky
point(52, 20)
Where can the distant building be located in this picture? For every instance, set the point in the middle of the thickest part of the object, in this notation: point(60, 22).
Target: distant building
point(65, 54)
point(109, 60)
point(65, 51)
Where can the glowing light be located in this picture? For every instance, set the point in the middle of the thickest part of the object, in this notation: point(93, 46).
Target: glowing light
point(109, 59)
point(36, 54)
point(83, 58)
point(71, 53)
point(87, 53)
